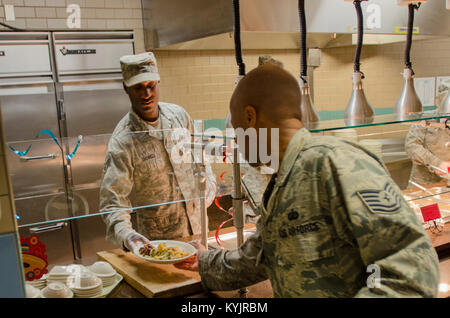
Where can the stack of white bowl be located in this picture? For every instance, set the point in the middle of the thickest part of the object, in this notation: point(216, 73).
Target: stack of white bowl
point(32, 292)
point(87, 285)
point(39, 283)
point(105, 272)
point(57, 290)
point(373, 145)
point(64, 274)
point(347, 134)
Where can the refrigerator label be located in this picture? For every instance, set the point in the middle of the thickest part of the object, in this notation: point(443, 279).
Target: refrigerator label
point(65, 51)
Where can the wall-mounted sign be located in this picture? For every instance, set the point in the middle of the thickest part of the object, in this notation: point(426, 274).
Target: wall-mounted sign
point(425, 87)
point(404, 30)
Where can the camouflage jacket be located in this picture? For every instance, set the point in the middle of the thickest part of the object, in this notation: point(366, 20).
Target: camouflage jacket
point(332, 220)
point(427, 146)
point(254, 183)
point(140, 174)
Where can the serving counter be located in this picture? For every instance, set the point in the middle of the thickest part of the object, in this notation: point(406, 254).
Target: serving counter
point(127, 289)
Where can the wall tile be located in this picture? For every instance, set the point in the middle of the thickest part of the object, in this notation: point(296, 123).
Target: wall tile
point(46, 12)
point(123, 13)
point(37, 24)
point(14, 2)
point(24, 12)
point(88, 13)
point(34, 3)
point(96, 24)
point(81, 3)
point(57, 24)
point(137, 4)
point(55, 3)
point(62, 13)
point(104, 13)
point(95, 4)
point(115, 24)
point(114, 3)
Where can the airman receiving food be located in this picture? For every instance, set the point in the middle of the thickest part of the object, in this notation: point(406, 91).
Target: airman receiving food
point(140, 170)
point(333, 223)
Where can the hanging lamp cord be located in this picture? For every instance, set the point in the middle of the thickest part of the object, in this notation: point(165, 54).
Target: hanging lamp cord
point(411, 8)
point(237, 38)
point(357, 66)
point(303, 56)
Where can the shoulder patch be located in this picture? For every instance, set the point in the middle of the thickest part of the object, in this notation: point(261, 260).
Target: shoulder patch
point(386, 200)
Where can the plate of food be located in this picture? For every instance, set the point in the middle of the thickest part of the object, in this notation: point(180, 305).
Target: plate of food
point(165, 251)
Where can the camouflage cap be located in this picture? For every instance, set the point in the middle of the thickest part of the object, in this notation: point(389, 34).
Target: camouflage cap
point(139, 68)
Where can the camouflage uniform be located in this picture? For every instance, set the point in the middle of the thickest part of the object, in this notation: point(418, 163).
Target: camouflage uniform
point(427, 146)
point(330, 212)
point(254, 183)
point(139, 171)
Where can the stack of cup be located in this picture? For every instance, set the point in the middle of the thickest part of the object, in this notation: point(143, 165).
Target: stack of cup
point(39, 283)
point(57, 290)
point(58, 274)
point(65, 274)
point(32, 292)
point(87, 285)
point(105, 272)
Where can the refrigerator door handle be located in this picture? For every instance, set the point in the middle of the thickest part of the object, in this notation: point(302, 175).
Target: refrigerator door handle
point(49, 156)
point(47, 228)
point(61, 111)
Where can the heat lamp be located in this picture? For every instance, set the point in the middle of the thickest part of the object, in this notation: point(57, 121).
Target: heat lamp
point(358, 110)
point(408, 102)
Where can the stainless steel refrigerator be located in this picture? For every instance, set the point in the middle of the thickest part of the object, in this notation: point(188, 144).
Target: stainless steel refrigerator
point(61, 85)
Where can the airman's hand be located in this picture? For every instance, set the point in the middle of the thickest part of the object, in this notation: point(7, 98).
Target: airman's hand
point(135, 239)
point(192, 262)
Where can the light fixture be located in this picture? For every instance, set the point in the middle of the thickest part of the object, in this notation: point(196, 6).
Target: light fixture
point(310, 117)
point(408, 102)
point(358, 110)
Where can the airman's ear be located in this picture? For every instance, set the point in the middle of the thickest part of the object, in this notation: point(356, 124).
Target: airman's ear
point(250, 116)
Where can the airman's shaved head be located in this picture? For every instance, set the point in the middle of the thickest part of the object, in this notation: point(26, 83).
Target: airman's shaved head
point(271, 91)
point(266, 101)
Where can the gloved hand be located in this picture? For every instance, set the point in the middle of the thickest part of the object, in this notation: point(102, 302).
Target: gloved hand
point(443, 166)
point(134, 239)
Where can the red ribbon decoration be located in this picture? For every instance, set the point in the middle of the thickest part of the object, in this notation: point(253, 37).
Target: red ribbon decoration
point(216, 201)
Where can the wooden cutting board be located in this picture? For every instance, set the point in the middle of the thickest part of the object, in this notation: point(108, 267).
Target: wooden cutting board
point(152, 280)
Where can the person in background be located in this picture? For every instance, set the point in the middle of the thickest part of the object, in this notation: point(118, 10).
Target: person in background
point(429, 149)
point(333, 223)
point(140, 170)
